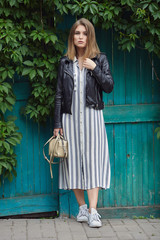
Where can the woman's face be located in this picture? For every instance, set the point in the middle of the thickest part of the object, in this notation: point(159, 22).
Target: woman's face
point(80, 37)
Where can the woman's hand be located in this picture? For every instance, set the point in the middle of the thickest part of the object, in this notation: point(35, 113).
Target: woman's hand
point(56, 131)
point(89, 64)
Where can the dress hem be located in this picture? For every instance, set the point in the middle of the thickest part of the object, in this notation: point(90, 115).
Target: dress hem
point(86, 188)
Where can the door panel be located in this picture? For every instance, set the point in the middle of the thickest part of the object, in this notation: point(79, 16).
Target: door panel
point(32, 190)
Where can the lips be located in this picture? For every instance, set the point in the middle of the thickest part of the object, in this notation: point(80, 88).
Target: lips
point(80, 41)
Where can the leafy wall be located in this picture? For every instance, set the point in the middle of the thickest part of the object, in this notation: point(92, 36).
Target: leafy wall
point(31, 45)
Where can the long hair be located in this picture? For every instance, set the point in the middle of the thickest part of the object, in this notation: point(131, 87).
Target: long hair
point(92, 48)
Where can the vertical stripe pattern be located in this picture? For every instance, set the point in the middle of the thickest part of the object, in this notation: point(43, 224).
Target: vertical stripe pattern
point(88, 164)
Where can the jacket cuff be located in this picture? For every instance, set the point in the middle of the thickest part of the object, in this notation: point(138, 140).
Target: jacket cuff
point(95, 71)
point(57, 125)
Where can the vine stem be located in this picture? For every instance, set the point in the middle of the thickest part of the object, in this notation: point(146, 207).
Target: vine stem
point(1, 116)
point(153, 67)
point(150, 63)
point(41, 3)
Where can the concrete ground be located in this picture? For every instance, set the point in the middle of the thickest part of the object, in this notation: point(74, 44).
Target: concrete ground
point(69, 229)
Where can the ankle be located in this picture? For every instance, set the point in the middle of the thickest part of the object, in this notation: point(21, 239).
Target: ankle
point(82, 204)
point(90, 209)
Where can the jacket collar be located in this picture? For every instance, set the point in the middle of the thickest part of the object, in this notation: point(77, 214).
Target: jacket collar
point(69, 60)
point(69, 66)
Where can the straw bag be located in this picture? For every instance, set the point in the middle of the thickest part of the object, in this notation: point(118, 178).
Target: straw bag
point(58, 147)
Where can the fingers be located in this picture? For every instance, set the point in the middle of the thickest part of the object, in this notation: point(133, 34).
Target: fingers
point(56, 131)
point(61, 131)
point(86, 61)
point(89, 64)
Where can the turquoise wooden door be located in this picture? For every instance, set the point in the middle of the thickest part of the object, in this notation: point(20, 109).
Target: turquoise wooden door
point(32, 191)
point(131, 114)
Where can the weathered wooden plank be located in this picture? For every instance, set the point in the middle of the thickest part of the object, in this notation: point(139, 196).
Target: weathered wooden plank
point(135, 164)
point(155, 81)
point(120, 165)
point(157, 166)
point(22, 157)
point(131, 77)
point(138, 154)
point(119, 87)
point(138, 162)
point(52, 185)
point(106, 45)
point(145, 166)
point(132, 113)
point(151, 172)
point(29, 152)
point(108, 194)
point(120, 148)
point(64, 203)
point(146, 141)
point(129, 170)
point(138, 78)
point(129, 212)
point(28, 204)
point(146, 78)
point(131, 98)
point(36, 159)
point(73, 204)
point(43, 163)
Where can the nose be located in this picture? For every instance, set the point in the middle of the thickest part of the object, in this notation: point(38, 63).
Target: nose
point(81, 35)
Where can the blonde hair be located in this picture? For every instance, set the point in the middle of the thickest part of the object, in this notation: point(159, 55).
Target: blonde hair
point(92, 48)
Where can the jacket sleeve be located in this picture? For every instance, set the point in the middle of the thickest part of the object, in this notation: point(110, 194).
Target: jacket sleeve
point(58, 99)
point(103, 75)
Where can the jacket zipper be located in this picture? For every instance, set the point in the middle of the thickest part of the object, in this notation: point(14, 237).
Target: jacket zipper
point(72, 80)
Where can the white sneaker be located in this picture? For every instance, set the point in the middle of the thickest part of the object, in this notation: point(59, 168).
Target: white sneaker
point(94, 219)
point(83, 214)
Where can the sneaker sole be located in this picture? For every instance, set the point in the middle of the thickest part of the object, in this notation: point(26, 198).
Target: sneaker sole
point(82, 220)
point(95, 226)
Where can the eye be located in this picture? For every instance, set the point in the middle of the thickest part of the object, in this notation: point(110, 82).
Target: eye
point(85, 33)
point(76, 33)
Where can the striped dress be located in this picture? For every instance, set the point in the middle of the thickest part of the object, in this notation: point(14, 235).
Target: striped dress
point(88, 164)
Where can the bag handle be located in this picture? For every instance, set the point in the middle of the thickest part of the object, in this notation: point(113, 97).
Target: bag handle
point(51, 157)
point(51, 161)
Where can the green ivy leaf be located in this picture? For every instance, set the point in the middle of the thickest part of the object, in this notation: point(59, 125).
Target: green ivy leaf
point(5, 89)
point(53, 38)
point(7, 146)
point(12, 2)
point(0, 169)
point(10, 100)
point(40, 72)
point(86, 8)
point(4, 75)
point(12, 141)
point(29, 63)
point(26, 71)
point(4, 164)
point(2, 69)
point(32, 74)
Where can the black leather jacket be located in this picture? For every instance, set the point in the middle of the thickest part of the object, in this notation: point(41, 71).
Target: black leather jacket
point(97, 80)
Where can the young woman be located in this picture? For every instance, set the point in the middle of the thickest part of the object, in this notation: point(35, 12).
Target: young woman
point(82, 76)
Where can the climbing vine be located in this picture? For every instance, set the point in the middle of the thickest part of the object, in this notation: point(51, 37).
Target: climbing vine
point(31, 45)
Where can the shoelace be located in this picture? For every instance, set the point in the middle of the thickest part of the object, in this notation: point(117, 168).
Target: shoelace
point(95, 216)
point(83, 212)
